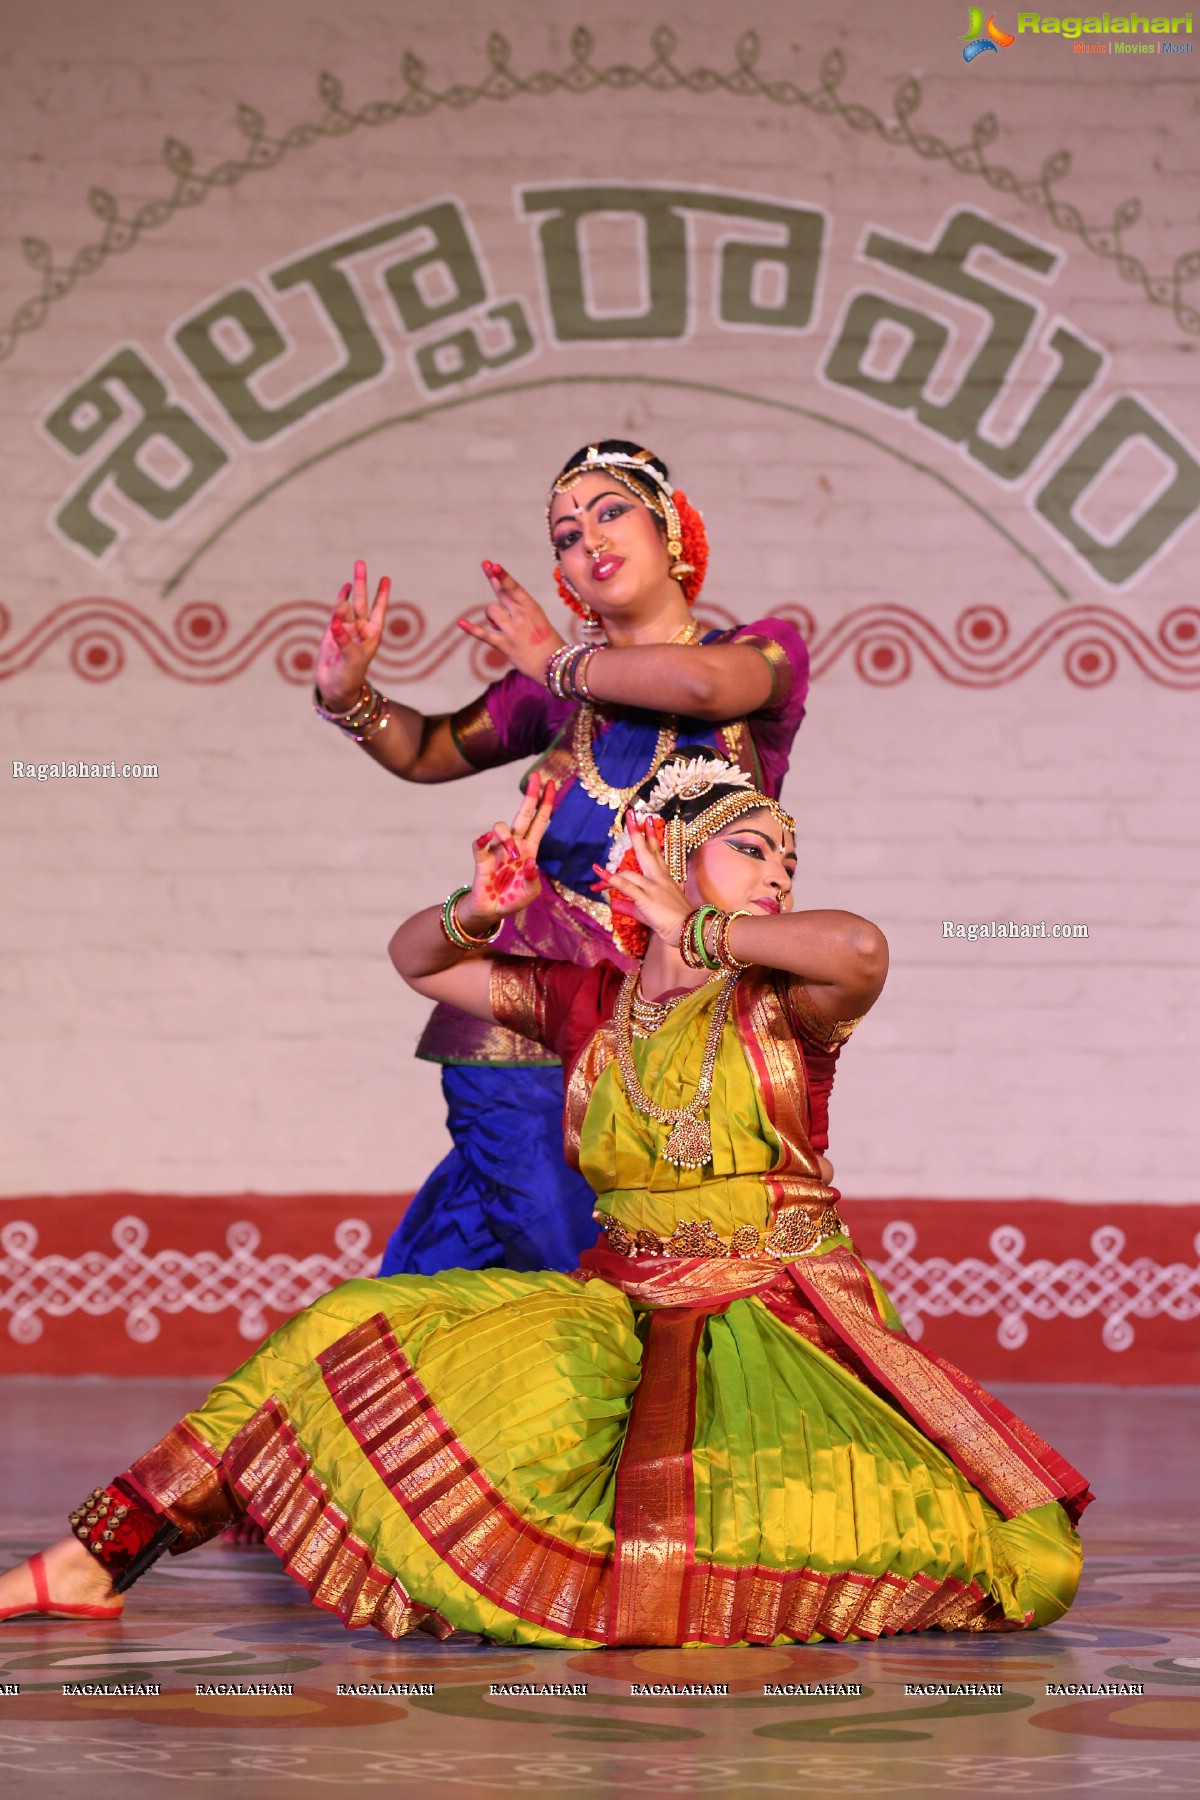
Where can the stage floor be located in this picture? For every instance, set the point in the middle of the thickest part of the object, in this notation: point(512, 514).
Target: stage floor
point(230, 1615)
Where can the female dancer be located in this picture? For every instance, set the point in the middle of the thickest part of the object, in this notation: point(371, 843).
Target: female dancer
point(631, 556)
point(720, 1434)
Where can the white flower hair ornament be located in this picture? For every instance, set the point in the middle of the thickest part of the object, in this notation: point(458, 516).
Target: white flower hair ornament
point(680, 780)
point(684, 779)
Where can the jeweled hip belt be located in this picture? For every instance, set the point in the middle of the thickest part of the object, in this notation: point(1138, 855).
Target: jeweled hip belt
point(793, 1233)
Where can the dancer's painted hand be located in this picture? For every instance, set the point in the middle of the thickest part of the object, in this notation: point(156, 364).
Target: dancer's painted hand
point(351, 639)
point(648, 894)
point(506, 871)
point(515, 624)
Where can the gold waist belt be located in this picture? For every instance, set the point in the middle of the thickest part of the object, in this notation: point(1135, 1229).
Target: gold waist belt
point(794, 1233)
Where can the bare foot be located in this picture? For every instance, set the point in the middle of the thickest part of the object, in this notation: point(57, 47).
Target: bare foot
point(73, 1576)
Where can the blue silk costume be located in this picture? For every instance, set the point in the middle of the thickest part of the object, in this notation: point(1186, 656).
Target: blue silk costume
point(504, 1196)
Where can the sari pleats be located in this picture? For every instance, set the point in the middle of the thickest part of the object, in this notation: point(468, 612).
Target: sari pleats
point(543, 1464)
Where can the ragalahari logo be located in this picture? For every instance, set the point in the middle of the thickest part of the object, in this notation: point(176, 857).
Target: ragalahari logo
point(979, 37)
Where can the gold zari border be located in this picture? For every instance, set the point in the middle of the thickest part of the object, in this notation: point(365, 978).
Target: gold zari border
point(986, 1453)
point(181, 1478)
point(795, 1233)
point(475, 736)
point(517, 996)
point(311, 1535)
point(654, 1516)
point(650, 1590)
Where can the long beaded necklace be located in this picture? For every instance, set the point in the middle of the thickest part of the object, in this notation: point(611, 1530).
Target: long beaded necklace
point(690, 1143)
point(583, 739)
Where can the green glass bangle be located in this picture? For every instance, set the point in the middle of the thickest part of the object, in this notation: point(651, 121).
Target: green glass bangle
point(700, 919)
point(462, 940)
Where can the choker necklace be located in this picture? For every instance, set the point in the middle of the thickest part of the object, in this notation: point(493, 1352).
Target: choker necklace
point(645, 1016)
point(583, 740)
point(690, 1143)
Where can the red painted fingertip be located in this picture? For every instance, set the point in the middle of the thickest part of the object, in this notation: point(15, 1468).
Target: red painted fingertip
point(360, 569)
point(344, 593)
point(482, 840)
point(530, 868)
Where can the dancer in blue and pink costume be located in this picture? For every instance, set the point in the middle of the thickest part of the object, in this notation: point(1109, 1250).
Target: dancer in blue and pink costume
point(595, 719)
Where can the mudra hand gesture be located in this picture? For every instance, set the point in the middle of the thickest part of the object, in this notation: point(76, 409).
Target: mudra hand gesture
point(648, 894)
point(506, 871)
point(516, 625)
point(352, 637)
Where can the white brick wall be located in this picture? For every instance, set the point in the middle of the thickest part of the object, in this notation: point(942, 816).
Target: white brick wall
point(196, 992)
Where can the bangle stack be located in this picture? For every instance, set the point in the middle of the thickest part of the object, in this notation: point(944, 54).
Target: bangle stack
point(367, 716)
point(694, 945)
point(725, 957)
point(462, 940)
point(566, 672)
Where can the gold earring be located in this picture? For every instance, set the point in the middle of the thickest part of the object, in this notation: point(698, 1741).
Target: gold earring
point(675, 850)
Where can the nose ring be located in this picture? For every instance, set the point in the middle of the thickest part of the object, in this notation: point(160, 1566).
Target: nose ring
point(602, 545)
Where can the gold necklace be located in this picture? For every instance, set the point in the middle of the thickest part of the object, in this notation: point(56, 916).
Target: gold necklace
point(690, 1143)
point(582, 748)
point(592, 781)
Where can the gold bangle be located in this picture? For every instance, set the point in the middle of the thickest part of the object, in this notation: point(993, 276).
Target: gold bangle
point(721, 950)
point(362, 720)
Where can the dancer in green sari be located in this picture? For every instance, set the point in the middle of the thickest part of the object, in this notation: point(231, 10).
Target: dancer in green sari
point(717, 1432)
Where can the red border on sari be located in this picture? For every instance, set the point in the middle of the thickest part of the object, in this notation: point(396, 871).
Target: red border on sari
point(512, 1562)
point(966, 1421)
point(654, 1516)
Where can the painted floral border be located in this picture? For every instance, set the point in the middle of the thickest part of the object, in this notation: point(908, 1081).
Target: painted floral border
point(581, 76)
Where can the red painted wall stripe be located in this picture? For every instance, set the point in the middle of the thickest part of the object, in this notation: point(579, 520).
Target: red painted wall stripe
point(1016, 1290)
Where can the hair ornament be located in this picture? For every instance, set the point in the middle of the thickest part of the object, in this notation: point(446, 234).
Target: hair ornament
point(691, 779)
point(678, 784)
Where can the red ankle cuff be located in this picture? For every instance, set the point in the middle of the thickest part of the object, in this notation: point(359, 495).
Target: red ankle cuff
point(115, 1525)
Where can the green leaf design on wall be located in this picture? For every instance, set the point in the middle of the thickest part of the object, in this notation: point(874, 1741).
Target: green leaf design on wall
point(582, 76)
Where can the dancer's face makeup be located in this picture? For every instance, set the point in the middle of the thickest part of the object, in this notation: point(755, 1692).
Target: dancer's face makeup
point(751, 864)
point(610, 546)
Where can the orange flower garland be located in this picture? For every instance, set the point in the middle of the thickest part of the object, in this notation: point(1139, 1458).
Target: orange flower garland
point(695, 545)
point(692, 536)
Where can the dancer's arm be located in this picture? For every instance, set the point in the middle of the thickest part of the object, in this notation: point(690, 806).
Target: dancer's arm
point(506, 879)
point(841, 958)
point(701, 681)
